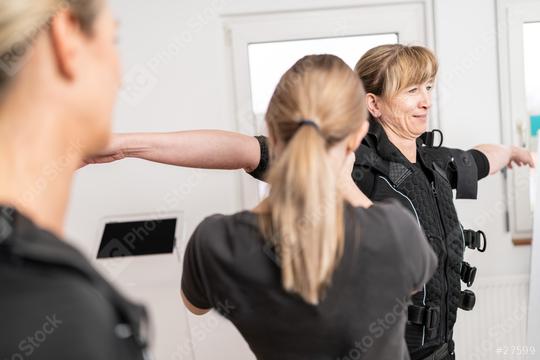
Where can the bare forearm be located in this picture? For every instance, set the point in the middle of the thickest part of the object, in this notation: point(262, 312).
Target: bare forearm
point(210, 149)
point(499, 156)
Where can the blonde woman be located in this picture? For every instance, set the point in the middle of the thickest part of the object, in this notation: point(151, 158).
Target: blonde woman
point(59, 74)
point(311, 272)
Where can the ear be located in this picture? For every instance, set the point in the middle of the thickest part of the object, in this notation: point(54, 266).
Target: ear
point(373, 105)
point(356, 138)
point(66, 40)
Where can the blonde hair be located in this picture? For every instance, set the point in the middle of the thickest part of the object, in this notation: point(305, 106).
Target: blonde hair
point(22, 20)
point(304, 221)
point(387, 69)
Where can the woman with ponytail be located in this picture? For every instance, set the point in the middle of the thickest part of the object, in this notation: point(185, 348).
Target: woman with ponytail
point(315, 271)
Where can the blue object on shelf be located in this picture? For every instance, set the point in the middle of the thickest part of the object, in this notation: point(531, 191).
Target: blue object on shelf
point(535, 124)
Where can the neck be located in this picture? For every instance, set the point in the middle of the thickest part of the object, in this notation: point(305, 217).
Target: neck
point(405, 145)
point(37, 159)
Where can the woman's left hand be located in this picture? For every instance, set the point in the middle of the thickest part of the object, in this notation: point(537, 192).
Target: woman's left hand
point(521, 156)
point(501, 156)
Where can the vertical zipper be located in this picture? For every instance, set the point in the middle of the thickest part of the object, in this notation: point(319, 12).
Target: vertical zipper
point(418, 221)
point(435, 195)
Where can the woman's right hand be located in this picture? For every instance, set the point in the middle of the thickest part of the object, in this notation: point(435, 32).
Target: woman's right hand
point(202, 149)
point(113, 152)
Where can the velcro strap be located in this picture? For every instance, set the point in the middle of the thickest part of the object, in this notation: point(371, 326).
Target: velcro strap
point(467, 299)
point(467, 174)
point(475, 240)
point(468, 273)
point(424, 315)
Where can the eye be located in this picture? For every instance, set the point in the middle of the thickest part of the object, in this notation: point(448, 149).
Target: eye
point(429, 87)
point(412, 90)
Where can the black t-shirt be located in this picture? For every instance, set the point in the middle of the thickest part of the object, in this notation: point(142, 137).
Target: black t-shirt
point(229, 266)
point(57, 310)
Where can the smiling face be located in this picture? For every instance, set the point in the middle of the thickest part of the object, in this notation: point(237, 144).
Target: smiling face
point(406, 113)
point(398, 80)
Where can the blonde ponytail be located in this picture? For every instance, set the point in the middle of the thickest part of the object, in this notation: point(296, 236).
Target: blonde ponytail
point(305, 217)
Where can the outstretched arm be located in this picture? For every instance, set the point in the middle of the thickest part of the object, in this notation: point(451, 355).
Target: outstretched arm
point(208, 149)
point(500, 156)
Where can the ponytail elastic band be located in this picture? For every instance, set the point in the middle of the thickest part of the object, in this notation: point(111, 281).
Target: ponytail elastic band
point(309, 123)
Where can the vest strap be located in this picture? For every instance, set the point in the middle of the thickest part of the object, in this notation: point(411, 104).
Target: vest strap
point(467, 299)
point(427, 316)
point(442, 353)
point(475, 240)
point(428, 138)
point(468, 273)
point(467, 174)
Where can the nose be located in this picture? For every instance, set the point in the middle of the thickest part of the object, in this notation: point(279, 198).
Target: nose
point(425, 100)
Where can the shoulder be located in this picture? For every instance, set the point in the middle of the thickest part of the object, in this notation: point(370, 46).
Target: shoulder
point(387, 219)
point(392, 213)
point(441, 155)
point(208, 229)
point(63, 302)
point(220, 235)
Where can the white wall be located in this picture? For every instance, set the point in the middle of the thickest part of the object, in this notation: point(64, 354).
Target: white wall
point(466, 41)
point(174, 53)
point(466, 44)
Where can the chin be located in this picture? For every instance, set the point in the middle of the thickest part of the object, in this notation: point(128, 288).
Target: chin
point(422, 128)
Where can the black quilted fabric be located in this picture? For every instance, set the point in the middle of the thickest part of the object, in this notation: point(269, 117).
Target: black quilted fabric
point(428, 194)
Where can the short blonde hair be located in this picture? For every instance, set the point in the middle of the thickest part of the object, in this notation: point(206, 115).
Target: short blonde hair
point(387, 69)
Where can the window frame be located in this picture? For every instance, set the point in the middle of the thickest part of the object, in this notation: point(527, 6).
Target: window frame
point(511, 16)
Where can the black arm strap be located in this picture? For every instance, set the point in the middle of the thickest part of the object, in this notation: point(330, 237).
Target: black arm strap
point(467, 174)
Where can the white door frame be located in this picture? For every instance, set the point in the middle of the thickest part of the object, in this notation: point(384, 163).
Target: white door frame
point(411, 20)
point(515, 127)
point(512, 14)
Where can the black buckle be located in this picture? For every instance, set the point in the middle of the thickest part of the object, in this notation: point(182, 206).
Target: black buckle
point(424, 315)
point(431, 320)
point(441, 353)
point(467, 299)
point(475, 240)
point(428, 138)
point(468, 273)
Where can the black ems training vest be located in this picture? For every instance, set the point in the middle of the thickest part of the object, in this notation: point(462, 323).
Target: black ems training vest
point(20, 240)
point(426, 191)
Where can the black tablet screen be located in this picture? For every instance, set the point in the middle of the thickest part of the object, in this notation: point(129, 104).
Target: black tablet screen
point(137, 238)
